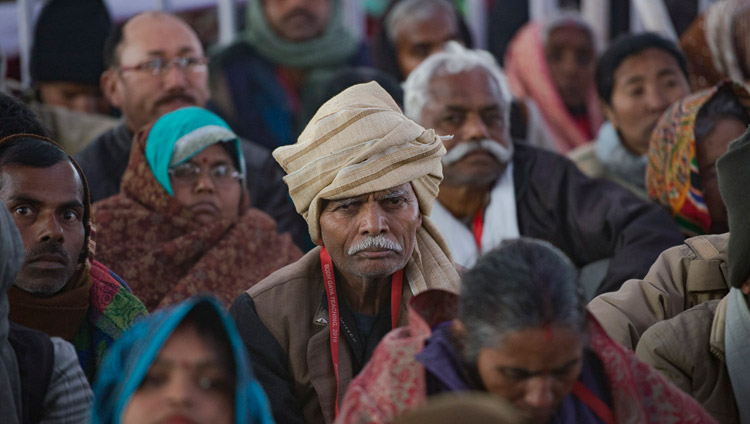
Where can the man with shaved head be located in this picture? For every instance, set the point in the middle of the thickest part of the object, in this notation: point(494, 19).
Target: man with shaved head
point(156, 64)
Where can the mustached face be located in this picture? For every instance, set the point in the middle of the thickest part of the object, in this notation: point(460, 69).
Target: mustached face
point(371, 236)
point(502, 153)
point(470, 107)
point(379, 242)
point(297, 20)
point(47, 207)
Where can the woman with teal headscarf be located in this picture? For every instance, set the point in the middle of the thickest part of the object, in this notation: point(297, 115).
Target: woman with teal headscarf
point(183, 363)
point(182, 223)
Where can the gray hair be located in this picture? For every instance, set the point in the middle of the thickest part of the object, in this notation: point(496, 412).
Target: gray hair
point(408, 11)
point(524, 283)
point(455, 59)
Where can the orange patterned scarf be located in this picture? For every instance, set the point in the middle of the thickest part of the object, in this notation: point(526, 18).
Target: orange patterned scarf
point(672, 172)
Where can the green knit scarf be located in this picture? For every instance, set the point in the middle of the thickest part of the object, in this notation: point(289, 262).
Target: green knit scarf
point(333, 48)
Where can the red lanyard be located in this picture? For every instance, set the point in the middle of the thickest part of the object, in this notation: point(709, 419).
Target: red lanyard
point(589, 399)
point(477, 227)
point(333, 309)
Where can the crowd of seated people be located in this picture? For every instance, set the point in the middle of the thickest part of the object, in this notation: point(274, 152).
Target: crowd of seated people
point(311, 226)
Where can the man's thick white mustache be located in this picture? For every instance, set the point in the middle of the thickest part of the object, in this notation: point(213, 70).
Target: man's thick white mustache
point(379, 241)
point(500, 152)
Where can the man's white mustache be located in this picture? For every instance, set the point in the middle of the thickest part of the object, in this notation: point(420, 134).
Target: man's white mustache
point(499, 151)
point(379, 241)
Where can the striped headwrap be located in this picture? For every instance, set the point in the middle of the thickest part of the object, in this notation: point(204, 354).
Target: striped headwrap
point(359, 142)
point(672, 177)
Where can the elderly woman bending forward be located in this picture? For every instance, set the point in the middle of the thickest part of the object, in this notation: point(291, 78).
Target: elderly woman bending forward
point(522, 334)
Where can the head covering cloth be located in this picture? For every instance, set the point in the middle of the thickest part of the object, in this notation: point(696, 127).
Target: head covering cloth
point(359, 142)
point(155, 243)
point(672, 177)
point(69, 41)
point(60, 315)
point(130, 358)
point(179, 135)
point(717, 44)
point(11, 257)
point(332, 48)
point(529, 77)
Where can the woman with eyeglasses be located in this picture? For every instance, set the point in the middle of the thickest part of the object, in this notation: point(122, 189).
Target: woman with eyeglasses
point(182, 223)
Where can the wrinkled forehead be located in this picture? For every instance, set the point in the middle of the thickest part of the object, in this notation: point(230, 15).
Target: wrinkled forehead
point(403, 190)
point(471, 85)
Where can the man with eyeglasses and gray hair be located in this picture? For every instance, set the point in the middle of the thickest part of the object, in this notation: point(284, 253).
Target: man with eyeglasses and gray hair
point(156, 64)
point(494, 189)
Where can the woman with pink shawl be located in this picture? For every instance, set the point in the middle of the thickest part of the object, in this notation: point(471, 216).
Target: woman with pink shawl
point(552, 63)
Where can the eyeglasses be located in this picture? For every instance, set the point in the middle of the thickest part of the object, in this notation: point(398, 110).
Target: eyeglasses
point(188, 174)
point(160, 66)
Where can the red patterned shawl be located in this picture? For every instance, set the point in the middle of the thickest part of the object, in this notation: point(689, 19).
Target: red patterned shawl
point(393, 382)
point(154, 243)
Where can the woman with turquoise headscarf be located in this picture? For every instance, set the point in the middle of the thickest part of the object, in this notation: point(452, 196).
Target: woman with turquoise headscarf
point(187, 364)
point(182, 223)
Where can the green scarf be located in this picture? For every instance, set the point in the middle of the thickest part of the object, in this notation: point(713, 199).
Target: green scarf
point(333, 48)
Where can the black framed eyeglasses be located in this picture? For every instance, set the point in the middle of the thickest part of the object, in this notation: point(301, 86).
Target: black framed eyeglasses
point(188, 174)
point(160, 66)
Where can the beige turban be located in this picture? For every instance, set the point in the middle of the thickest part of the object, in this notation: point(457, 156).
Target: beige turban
point(359, 142)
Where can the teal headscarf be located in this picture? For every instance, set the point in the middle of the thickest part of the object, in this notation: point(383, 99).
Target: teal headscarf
point(130, 358)
point(179, 135)
point(333, 48)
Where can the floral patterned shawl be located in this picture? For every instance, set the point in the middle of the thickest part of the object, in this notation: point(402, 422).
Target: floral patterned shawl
point(156, 245)
point(672, 172)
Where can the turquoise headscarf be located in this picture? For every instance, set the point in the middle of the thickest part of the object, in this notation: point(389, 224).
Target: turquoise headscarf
point(179, 135)
point(130, 358)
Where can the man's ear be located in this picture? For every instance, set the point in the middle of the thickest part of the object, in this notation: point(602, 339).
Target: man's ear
point(746, 287)
point(609, 113)
point(109, 82)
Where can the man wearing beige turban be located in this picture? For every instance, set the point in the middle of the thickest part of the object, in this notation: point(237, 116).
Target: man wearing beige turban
point(365, 178)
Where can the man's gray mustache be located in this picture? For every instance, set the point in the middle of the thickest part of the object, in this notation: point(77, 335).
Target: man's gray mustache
point(500, 152)
point(379, 241)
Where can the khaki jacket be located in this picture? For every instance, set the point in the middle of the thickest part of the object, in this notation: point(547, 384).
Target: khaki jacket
point(682, 277)
point(290, 304)
point(689, 350)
